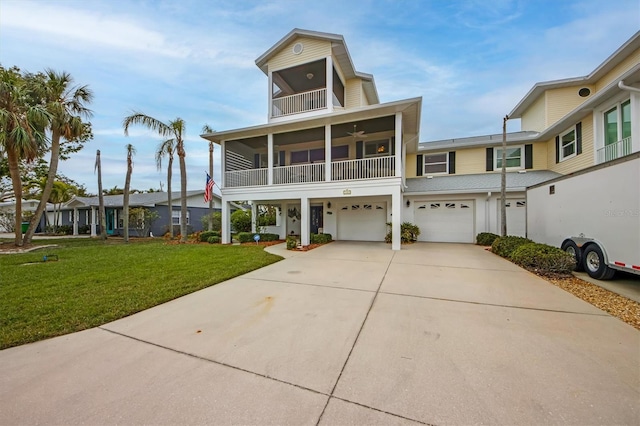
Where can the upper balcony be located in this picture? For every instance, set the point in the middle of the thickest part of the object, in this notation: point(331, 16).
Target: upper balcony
point(614, 150)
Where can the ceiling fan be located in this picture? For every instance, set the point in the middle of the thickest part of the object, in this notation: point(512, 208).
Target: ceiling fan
point(357, 133)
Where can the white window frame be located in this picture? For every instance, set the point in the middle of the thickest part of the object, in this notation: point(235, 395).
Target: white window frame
point(175, 214)
point(497, 156)
point(561, 145)
point(445, 162)
point(377, 142)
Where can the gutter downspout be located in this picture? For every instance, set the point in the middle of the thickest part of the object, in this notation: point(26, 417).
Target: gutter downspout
point(629, 88)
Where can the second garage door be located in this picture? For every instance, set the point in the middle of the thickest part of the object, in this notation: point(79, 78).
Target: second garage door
point(445, 221)
point(362, 221)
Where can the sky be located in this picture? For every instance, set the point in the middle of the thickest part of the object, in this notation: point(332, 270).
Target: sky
point(471, 61)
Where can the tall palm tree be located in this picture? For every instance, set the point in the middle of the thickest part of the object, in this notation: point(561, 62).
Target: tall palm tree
point(127, 184)
point(167, 149)
point(22, 130)
point(173, 129)
point(101, 212)
point(66, 106)
point(207, 129)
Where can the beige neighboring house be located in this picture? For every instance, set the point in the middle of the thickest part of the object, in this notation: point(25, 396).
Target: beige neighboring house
point(331, 158)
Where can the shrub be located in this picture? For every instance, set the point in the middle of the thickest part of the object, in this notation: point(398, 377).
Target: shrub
point(214, 239)
point(247, 237)
point(217, 221)
point(269, 237)
point(241, 221)
point(64, 230)
point(204, 235)
point(84, 229)
point(292, 243)
point(486, 238)
point(504, 246)
point(408, 233)
point(543, 258)
point(320, 238)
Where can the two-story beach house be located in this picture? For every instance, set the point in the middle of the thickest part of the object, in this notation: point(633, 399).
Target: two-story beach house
point(333, 159)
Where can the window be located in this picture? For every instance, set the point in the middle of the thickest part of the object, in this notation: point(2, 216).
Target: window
point(515, 159)
point(568, 144)
point(376, 148)
point(299, 157)
point(436, 163)
point(617, 123)
point(175, 217)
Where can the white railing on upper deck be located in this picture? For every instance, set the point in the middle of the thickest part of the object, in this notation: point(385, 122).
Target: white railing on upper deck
point(614, 150)
point(367, 168)
point(249, 177)
point(299, 173)
point(300, 102)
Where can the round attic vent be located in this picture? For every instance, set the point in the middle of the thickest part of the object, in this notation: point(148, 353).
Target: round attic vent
point(297, 48)
point(584, 92)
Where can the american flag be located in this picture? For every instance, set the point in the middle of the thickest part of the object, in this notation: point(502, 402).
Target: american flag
point(208, 189)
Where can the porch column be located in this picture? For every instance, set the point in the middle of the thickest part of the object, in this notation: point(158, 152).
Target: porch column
point(222, 164)
point(254, 216)
point(93, 221)
point(270, 97)
point(396, 218)
point(75, 221)
point(398, 149)
point(270, 159)
point(327, 153)
point(226, 224)
point(329, 62)
point(305, 222)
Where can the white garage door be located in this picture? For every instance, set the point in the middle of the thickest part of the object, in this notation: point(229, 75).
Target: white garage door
point(516, 217)
point(445, 221)
point(362, 221)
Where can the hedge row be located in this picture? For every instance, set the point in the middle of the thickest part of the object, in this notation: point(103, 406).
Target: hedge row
point(205, 235)
point(540, 258)
point(320, 238)
point(486, 238)
point(247, 237)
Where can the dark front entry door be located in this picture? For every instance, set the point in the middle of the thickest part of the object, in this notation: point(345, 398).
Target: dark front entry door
point(316, 218)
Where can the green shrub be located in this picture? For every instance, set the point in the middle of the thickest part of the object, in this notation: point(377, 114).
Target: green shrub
point(292, 243)
point(247, 237)
point(504, 246)
point(217, 220)
point(543, 259)
point(408, 233)
point(214, 239)
point(241, 220)
point(269, 237)
point(204, 235)
point(320, 238)
point(486, 238)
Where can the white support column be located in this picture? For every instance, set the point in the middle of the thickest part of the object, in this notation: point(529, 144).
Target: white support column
point(226, 222)
point(305, 222)
point(327, 153)
point(330, 83)
point(223, 150)
point(75, 221)
point(398, 149)
point(396, 218)
point(270, 159)
point(254, 216)
point(93, 221)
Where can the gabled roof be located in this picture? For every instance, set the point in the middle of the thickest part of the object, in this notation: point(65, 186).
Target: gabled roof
point(339, 49)
point(611, 62)
point(150, 199)
point(483, 182)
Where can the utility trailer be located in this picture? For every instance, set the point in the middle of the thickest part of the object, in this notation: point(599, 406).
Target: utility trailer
point(594, 214)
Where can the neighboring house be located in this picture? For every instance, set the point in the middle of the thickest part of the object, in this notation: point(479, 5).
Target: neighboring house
point(8, 209)
point(333, 159)
point(85, 212)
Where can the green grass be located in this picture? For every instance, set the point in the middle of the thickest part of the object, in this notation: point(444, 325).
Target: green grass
point(95, 282)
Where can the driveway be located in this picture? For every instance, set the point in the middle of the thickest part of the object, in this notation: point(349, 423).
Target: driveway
point(348, 333)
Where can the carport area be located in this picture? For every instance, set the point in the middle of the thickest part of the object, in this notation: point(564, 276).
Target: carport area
point(348, 333)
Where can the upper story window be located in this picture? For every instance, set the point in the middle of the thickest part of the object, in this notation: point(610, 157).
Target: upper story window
point(378, 148)
point(515, 159)
point(617, 123)
point(567, 144)
point(436, 163)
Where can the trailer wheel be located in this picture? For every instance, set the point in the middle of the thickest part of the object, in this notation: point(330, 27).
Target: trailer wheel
point(595, 265)
point(572, 248)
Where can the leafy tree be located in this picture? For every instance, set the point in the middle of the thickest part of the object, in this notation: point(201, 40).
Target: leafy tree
point(174, 129)
point(167, 149)
point(127, 183)
point(215, 219)
point(241, 220)
point(141, 219)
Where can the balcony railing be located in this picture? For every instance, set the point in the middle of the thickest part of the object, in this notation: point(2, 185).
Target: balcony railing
point(299, 173)
point(368, 168)
point(249, 177)
point(300, 102)
point(614, 150)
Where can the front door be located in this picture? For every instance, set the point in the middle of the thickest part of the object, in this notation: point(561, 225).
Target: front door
point(110, 221)
point(316, 219)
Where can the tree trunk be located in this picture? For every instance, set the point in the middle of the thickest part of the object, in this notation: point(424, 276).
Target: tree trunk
point(211, 176)
point(48, 186)
point(183, 192)
point(14, 171)
point(101, 212)
point(170, 195)
point(125, 199)
point(503, 179)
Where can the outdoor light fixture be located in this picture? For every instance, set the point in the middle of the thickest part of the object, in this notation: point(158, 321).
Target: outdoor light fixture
point(309, 75)
point(408, 203)
point(329, 204)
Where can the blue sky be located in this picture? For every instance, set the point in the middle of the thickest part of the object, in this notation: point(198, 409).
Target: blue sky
point(470, 60)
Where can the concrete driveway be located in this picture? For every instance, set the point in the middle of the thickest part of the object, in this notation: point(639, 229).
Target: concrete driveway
point(349, 333)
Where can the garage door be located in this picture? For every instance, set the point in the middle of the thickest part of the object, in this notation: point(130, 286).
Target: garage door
point(445, 221)
point(516, 217)
point(362, 221)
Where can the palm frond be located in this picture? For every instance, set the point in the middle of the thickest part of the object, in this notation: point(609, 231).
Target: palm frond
point(151, 123)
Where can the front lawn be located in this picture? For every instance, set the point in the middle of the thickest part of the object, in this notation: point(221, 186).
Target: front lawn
point(95, 282)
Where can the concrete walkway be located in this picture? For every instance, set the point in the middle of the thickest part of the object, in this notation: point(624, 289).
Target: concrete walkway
point(349, 333)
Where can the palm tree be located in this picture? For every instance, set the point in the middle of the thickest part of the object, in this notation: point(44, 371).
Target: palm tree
point(60, 193)
point(22, 130)
point(173, 129)
point(207, 129)
point(167, 148)
point(65, 104)
point(127, 183)
point(101, 213)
